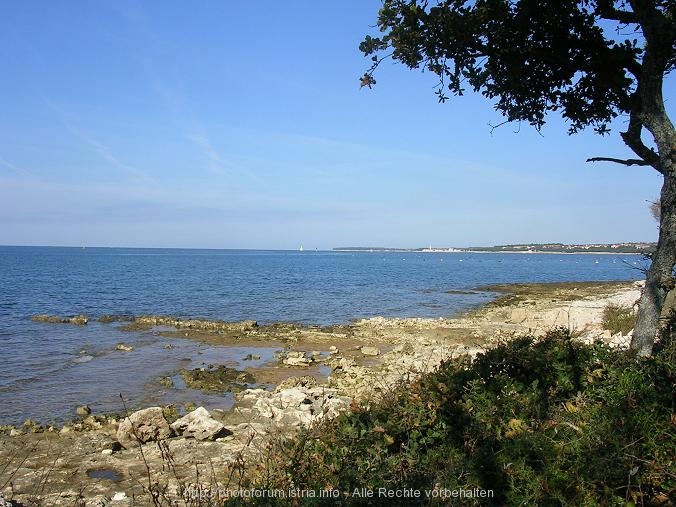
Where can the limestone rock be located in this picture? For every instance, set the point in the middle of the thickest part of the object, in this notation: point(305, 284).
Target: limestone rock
point(303, 381)
point(146, 425)
point(298, 406)
point(370, 351)
point(123, 347)
point(297, 359)
point(518, 315)
point(200, 425)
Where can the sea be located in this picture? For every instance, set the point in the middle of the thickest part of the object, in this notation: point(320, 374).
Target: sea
point(49, 369)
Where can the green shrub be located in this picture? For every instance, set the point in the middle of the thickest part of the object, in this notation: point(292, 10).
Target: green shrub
point(538, 422)
point(618, 319)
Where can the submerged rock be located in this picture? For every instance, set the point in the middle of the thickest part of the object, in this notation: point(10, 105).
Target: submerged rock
point(78, 320)
point(123, 347)
point(200, 425)
point(83, 410)
point(146, 425)
point(220, 379)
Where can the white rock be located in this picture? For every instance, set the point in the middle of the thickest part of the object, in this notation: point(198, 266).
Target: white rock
point(293, 397)
point(200, 425)
point(518, 315)
point(120, 495)
point(297, 361)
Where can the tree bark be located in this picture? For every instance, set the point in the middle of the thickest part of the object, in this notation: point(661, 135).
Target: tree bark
point(659, 278)
point(649, 112)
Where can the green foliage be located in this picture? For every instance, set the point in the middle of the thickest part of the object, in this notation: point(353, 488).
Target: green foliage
point(538, 422)
point(618, 319)
point(531, 56)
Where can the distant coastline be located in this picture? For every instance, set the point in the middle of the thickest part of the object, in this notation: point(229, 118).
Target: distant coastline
point(533, 248)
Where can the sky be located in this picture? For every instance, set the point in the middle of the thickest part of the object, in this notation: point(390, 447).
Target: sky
point(242, 125)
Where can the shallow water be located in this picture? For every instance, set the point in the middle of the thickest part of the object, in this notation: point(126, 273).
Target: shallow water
point(48, 369)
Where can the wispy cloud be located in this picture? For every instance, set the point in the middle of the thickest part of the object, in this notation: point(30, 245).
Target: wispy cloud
point(14, 168)
point(217, 164)
point(101, 149)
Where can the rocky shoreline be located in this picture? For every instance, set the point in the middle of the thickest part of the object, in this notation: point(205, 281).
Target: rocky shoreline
point(100, 459)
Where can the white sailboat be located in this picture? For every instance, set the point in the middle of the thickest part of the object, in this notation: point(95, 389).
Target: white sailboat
point(301, 248)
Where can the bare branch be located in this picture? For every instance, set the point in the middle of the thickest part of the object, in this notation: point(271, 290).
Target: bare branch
point(630, 161)
point(493, 127)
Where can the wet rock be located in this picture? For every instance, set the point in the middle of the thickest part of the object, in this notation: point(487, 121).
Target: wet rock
point(200, 425)
point(123, 347)
point(93, 422)
point(78, 320)
point(107, 319)
point(219, 379)
point(370, 351)
point(83, 410)
point(146, 425)
point(148, 321)
point(30, 426)
point(252, 357)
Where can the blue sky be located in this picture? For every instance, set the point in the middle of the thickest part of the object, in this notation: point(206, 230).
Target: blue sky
point(242, 125)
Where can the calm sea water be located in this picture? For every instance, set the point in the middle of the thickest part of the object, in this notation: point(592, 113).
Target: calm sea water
point(48, 369)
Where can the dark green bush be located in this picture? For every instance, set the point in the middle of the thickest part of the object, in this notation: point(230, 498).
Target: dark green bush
point(538, 422)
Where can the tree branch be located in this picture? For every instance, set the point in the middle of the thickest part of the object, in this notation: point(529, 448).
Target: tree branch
point(632, 138)
point(606, 10)
point(630, 161)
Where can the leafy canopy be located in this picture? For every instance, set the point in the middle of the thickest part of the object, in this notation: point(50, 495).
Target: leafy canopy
point(580, 58)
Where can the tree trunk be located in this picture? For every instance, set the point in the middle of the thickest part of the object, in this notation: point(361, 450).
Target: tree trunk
point(659, 279)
